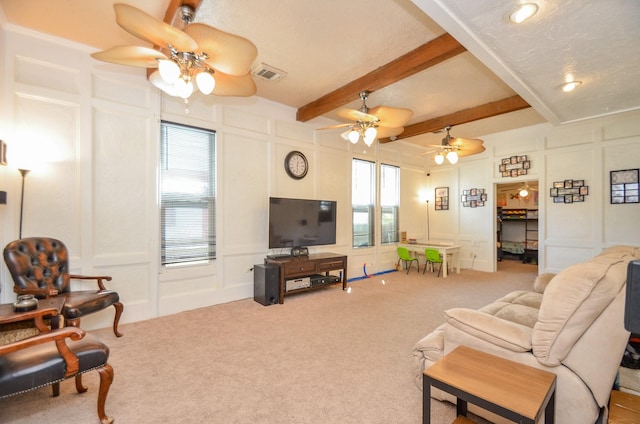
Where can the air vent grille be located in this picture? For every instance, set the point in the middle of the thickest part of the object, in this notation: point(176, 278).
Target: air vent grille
point(268, 73)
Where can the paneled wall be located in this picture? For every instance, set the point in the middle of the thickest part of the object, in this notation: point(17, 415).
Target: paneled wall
point(89, 132)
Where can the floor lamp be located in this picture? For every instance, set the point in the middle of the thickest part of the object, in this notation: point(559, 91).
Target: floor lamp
point(428, 236)
point(24, 173)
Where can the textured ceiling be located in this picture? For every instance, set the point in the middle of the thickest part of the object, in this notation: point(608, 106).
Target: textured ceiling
point(323, 45)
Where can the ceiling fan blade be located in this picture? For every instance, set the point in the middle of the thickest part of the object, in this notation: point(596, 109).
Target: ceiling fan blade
point(385, 132)
point(331, 127)
point(146, 27)
point(142, 57)
point(391, 116)
point(228, 53)
point(356, 115)
point(465, 152)
point(234, 85)
point(467, 146)
point(345, 135)
point(428, 152)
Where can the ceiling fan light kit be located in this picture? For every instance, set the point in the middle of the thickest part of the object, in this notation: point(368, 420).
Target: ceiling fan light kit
point(219, 62)
point(452, 148)
point(371, 124)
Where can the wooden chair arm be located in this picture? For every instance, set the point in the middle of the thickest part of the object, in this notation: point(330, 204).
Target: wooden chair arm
point(98, 278)
point(37, 314)
point(46, 292)
point(58, 336)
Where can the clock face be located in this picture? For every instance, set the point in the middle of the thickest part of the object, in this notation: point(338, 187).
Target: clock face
point(296, 165)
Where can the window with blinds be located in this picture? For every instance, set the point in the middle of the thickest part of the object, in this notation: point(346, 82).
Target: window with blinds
point(389, 203)
point(363, 202)
point(187, 194)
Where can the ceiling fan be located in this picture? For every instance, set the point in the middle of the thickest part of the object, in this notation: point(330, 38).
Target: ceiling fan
point(370, 124)
point(219, 62)
point(452, 148)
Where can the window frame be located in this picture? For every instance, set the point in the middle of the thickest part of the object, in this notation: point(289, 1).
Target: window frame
point(173, 204)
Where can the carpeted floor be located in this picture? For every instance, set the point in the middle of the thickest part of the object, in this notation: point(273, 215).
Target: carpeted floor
point(322, 357)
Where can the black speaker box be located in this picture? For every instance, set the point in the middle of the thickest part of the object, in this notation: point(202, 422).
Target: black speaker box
point(266, 284)
point(632, 300)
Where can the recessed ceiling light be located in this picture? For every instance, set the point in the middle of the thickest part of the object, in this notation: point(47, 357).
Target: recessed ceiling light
point(569, 86)
point(522, 12)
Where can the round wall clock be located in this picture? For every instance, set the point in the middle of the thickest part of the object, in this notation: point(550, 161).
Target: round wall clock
point(296, 165)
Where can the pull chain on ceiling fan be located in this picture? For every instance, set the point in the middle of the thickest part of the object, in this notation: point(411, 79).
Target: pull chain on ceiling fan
point(370, 124)
point(219, 62)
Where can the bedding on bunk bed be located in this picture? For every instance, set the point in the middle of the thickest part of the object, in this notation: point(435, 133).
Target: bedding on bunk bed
point(515, 247)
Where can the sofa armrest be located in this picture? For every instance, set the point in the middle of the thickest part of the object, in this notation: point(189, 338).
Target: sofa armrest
point(500, 332)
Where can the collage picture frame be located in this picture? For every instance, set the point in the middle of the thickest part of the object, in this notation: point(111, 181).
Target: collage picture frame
point(569, 191)
point(624, 186)
point(442, 198)
point(473, 198)
point(514, 166)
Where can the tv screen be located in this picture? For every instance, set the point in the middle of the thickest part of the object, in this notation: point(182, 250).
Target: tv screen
point(301, 222)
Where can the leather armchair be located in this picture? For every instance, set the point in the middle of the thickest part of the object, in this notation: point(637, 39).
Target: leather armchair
point(52, 356)
point(40, 266)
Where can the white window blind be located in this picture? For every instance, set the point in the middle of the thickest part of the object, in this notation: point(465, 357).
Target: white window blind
point(389, 203)
point(363, 202)
point(187, 194)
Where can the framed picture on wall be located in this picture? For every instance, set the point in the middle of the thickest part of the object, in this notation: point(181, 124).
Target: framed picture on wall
point(625, 186)
point(442, 198)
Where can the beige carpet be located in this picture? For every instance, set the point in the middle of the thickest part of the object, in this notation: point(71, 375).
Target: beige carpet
point(325, 356)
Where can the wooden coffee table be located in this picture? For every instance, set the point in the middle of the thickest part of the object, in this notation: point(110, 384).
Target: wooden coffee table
point(514, 391)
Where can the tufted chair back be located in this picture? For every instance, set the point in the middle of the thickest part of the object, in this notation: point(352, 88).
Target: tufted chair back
point(39, 265)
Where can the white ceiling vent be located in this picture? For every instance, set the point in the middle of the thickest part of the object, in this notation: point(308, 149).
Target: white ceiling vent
point(268, 73)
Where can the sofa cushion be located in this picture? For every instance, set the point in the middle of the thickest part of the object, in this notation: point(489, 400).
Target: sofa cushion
point(573, 300)
point(518, 306)
point(498, 331)
point(542, 281)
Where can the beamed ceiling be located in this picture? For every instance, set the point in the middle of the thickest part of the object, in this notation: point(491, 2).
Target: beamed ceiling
point(452, 62)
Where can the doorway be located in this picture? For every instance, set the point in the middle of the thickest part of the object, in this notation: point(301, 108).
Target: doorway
point(517, 222)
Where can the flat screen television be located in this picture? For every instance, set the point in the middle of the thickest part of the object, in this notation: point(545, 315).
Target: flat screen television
point(632, 299)
point(301, 222)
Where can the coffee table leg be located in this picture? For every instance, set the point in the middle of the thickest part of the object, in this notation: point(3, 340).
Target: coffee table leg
point(426, 401)
point(461, 407)
point(549, 411)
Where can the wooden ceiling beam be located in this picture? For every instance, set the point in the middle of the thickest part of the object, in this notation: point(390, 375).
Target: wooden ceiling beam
point(425, 56)
point(487, 110)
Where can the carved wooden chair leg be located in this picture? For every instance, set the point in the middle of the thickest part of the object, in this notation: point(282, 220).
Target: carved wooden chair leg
point(79, 386)
point(106, 378)
point(116, 320)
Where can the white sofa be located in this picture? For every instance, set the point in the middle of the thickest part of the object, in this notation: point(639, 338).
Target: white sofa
point(571, 324)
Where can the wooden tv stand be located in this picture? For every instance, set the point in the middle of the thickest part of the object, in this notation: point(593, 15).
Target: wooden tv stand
point(306, 266)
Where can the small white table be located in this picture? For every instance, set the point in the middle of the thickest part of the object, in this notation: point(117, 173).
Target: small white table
point(445, 249)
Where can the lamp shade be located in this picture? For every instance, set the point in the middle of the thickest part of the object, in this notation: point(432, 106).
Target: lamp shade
point(524, 192)
point(184, 88)
point(169, 70)
point(439, 159)
point(370, 136)
point(354, 136)
point(452, 157)
point(205, 81)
